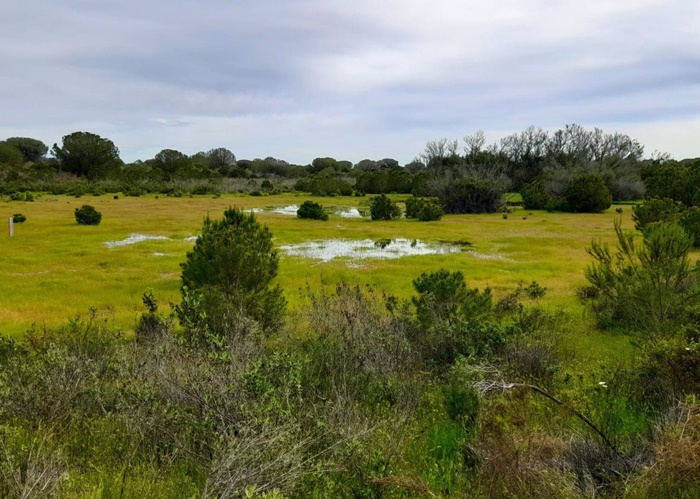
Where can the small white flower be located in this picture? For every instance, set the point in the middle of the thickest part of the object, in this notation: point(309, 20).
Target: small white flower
point(687, 348)
point(603, 384)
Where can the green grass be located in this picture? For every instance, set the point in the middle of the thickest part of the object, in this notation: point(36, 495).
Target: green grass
point(54, 269)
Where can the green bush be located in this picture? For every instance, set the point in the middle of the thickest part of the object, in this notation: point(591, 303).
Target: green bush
point(312, 210)
point(472, 195)
point(383, 208)
point(443, 297)
point(535, 197)
point(649, 289)
point(87, 215)
point(232, 265)
point(587, 193)
point(425, 210)
point(18, 218)
point(430, 212)
point(656, 210)
point(690, 221)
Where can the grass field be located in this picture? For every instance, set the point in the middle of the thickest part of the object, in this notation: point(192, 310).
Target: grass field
point(54, 269)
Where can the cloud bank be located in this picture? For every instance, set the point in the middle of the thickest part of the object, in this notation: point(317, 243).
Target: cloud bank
point(296, 79)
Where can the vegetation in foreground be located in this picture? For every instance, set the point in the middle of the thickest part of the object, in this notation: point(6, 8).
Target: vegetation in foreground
point(451, 393)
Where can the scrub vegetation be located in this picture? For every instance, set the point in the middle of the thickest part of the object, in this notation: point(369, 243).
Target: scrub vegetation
point(177, 349)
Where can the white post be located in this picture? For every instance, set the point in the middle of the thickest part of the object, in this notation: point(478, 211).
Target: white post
point(12, 226)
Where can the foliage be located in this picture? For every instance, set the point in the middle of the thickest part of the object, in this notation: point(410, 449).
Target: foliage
point(672, 180)
point(87, 155)
point(656, 210)
point(383, 208)
point(312, 210)
point(648, 289)
point(32, 149)
point(535, 197)
point(87, 215)
point(690, 221)
point(587, 193)
point(10, 155)
point(469, 195)
point(425, 210)
point(430, 212)
point(233, 263)
point(443, 298)
point(18, 218)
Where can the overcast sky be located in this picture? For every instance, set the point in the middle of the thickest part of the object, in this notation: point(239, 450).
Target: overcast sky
point(352, 79)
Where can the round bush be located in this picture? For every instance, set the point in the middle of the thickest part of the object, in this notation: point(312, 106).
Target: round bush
point(535, 197)
point(587, 193)
point(383, 208)
point(311, 210)
point(87, 215)
point(18, 218)
point(430, 212)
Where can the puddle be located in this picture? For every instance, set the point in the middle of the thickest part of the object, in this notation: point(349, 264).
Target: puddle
point(487, 256)
point(287, 210)
point(367, 248)
point(348, 213)
point(134, 239)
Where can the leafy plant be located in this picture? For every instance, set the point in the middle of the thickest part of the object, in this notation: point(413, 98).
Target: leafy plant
point(18, 218)
point(651, 288)
point(588, 193)
point(383, 208)
point(234, 262)
point(87, 215)
point(656, 210)
point(312, 210)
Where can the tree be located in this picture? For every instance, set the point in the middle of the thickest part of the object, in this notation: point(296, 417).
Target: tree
point(232, 265)
point(383, 208)
point(32, 149)
point(656, 210)
point(169, 161)
point(221, 158)
point(87, 154)
point(10, 155)
point(312, 210)
point(587, 193)
point(649, 289)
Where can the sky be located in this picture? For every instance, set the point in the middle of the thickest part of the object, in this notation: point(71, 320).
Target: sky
point(299, 79)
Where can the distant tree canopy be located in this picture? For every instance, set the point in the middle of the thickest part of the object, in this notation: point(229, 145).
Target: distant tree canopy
point(220, 158)
point(10, 155)
point(32, 149)
point(170, 161)
point(87, 155)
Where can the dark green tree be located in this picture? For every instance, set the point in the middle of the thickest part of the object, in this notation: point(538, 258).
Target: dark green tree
point(170, 161)
point(383, 208)
point(87, 155)
point(32, 149)
point(10, 155)
point(656, 210)
point(233, 264)
point(221, 158)
point(311, 210)
point(587, 193)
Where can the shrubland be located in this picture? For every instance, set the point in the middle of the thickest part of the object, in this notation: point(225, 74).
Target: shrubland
point(453, 392)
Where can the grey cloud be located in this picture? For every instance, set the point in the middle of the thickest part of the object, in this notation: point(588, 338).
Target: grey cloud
point(289, 77)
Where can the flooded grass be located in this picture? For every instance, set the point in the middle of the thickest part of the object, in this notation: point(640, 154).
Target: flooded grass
point(363, 249)
point(135, 239)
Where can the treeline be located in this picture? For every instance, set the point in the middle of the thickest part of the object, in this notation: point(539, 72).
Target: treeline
point(571, 169)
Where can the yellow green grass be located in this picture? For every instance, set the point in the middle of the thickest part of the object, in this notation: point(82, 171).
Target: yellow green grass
point(54, 269)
